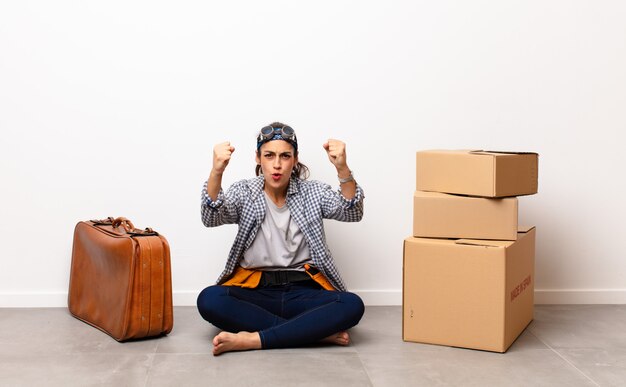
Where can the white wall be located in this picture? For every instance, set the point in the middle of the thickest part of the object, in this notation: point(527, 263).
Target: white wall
point(112, 108)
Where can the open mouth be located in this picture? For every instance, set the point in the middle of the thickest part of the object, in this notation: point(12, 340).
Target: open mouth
point(276, 176)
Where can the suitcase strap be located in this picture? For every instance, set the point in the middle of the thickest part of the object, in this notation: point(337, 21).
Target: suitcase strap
point(152, 280)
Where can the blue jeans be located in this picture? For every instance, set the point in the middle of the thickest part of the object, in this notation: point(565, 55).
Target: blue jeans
point(288, 315)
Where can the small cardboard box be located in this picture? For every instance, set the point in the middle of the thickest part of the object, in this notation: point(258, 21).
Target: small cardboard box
point(468, 293)
point(439, 215)
point(477, 173)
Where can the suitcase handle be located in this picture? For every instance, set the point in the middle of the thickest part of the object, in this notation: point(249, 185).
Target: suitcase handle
point(127, 224)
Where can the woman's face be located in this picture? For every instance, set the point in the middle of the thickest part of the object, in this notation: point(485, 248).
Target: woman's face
point(277, 160)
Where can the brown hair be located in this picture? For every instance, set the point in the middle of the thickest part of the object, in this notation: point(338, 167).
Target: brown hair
point(299, 170)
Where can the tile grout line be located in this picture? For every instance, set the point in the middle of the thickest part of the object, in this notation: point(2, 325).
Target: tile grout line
point(152, 357)
point(567, 361)
point(364, 368)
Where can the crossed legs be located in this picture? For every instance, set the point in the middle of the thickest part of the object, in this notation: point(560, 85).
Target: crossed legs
point(279, 316)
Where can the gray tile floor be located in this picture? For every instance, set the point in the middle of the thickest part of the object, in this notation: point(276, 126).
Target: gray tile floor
point(582, 345)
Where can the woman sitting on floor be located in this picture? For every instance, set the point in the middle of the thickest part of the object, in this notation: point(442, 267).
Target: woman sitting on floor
point(280, 287)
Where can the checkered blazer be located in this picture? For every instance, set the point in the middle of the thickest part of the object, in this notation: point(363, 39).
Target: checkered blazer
point(309, 203)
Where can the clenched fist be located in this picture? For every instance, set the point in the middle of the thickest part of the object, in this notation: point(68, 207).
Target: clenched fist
point(221, 156)
point(336, 151)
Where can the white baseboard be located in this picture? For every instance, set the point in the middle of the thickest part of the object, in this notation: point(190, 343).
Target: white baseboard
point(580, 296)
point(380, 297)
point(33, 300)
point(370, 297)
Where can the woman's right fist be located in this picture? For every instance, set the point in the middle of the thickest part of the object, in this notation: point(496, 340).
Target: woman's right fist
point(221, 156)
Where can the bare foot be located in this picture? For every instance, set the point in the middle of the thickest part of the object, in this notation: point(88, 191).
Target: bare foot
point(242, 341)
point(339, 338)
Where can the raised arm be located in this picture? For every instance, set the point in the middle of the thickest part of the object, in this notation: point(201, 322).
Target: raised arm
point(221, 156)
point(336, 151)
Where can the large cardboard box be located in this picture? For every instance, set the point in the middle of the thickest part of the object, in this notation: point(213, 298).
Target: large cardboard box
point(439, 215)
point(477, 173)
point(468, 293)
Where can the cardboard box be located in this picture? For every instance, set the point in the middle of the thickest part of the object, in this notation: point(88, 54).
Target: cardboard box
point(468, 293)
point(477, 173)
point(439, 215)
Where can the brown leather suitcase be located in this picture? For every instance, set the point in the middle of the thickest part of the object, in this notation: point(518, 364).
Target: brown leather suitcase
point(120, 280)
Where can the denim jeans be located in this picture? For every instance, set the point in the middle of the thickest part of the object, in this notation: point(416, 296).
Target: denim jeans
point(288, 315)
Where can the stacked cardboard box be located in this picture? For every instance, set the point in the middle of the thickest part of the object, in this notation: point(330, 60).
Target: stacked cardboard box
point(469, 267)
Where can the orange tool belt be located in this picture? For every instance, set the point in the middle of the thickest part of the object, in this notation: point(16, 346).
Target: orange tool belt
point(250, 278)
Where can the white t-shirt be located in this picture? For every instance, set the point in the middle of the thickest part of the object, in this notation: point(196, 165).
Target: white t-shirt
point(279, 243)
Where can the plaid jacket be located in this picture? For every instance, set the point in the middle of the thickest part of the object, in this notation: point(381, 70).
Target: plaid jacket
point(309, 203)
